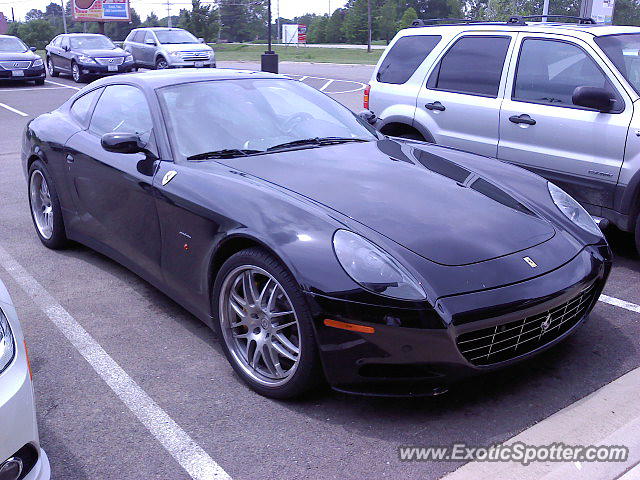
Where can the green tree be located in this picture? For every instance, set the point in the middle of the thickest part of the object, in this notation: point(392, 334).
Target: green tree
point(118, 31)
point(235, 21)
point(34, 14)
point(36, 33)
point(407, 18)
point(355, 22)
point(335, 32)
point(627, 12)
point(151, 21)
point(386, 20)
point(203, 21)
point(317, 31)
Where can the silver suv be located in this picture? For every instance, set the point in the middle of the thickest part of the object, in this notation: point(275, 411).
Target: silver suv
point(162, 47)
point(558, 99)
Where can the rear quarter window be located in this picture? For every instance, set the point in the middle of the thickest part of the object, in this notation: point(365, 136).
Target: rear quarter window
point(405, 57)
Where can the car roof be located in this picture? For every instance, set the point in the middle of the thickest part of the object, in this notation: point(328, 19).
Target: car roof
point(162, 78)
point(571, 29)
point(8, 36)
point(159, 28)
point(81, 35)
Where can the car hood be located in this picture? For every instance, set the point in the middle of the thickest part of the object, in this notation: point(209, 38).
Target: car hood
point(437, 208)
point(18, 56)
point(103, 53)
point(186, 47)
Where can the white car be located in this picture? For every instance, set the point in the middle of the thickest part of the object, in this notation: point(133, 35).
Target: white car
point(21, 457)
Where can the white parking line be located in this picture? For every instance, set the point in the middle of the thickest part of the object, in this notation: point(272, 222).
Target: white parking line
point(620, 303)
point(195, 461)
point(29, 89)
point(14, 110)
point(329, 82)
point(62, 85)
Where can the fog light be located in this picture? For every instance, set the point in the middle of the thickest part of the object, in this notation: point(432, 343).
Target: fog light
point(11, 469)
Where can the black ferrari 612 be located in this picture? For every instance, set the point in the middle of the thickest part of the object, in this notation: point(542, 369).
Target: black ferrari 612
point(316, 247)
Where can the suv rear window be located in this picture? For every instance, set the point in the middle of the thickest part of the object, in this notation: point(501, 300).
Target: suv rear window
point(472, 65)
point(405, 57)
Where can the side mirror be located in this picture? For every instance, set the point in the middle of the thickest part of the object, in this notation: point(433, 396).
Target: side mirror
point(593, 97)
point(369, 117)
point(33, 49)
point(66, 48)
point(122, 143)
point(150, 41)
point(201, 40)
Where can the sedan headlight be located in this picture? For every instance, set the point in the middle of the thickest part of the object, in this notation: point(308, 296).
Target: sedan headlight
point(128, 58)
point(373, 268)
point(175, 54)
point(37, 62)
point(573, 210)
point(7, 344)
point(85, 59)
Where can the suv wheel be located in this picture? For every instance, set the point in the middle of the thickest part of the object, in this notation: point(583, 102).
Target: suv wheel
point(77, 75)
point(161, 63)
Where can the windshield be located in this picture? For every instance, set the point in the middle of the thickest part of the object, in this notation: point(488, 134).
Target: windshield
point(175, 36)
point(624, 51)
point(93, 42)
point(12, 45)
point(254, 115)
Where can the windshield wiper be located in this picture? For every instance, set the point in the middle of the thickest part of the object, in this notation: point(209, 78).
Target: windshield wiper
point(226, 153)
point(319, 141)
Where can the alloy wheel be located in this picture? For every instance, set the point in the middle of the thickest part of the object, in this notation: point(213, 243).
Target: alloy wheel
point(41, 206)
point(161, 64)
point(75, 71)
point(50, 67)
point(259, 325)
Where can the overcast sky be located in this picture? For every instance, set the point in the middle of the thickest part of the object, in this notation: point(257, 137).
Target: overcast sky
point(288, 8)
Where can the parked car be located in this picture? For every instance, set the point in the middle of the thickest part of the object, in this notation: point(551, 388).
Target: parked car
point(557, 99)
point(19, 62)
point(21, 456)
point(314, 245)
point(161, 47)
point(85, 55)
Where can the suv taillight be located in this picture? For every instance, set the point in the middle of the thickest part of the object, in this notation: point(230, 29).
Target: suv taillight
point(366, 96)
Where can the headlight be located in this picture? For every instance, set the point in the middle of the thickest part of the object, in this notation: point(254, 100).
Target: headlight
point(128, 58)
point(7, 345)
point(175, 54)
point(37, 62)
point(373, 268)
point(573, 210)
point(85, 59)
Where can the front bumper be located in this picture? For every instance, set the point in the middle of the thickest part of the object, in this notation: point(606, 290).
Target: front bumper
point(27, 74)
point(180, 63)
point(18, 427)
point(423, 357)
point(101, 70)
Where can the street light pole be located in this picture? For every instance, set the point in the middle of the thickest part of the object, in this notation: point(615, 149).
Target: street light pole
point(369, 26)
point(269, 59)
point(64, 17)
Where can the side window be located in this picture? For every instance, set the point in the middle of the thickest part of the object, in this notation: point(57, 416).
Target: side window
point(81, 108)
point(56, 42)
point(122, 108)
point(405, 57)
point(139, 36)
point(149, 36)
point(472, 65)
point(549, 71)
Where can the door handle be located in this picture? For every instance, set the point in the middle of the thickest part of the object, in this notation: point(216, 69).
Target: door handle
point(70, 158)
point(435, 106)
point(524, 118)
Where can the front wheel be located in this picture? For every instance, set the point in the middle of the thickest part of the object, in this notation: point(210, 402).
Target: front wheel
point(52, 70)
point(45, 207)
point(161, 63)
point(265, 325)
point(77, 75)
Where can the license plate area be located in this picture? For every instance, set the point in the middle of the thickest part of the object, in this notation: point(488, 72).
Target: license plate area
point(199, 64)
point(17, 73)
point(112, 68)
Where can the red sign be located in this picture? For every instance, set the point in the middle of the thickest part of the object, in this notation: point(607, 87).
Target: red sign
point(4, 24)
point(101, 10)
point(302, 34)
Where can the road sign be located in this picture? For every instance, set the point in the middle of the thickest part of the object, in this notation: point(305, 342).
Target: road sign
point(101, 10)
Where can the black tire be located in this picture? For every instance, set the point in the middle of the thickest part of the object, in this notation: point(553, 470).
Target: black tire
point(161, 63)
point(76, 73)
point(39, 81)
point(308, 374)
point(52, 70)
point(637, 234)
point(58, 238)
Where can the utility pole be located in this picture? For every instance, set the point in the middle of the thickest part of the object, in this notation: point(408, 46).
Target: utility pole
point(369, 26)
point(278, 20)
point(64, 17)
point(545, 9)
point(168, 14)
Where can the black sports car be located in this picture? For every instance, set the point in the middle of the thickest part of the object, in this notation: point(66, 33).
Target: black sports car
point(316, 247)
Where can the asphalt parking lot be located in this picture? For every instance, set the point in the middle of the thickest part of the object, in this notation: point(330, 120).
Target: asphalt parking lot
point(91, 430)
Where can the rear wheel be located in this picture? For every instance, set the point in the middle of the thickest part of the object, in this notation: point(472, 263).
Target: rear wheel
point(39, 81)
point(45, 207)
point(265, 325)
point(51, 69)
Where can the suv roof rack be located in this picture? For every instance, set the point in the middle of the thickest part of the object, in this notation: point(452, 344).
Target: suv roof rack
point(513, 20)
point(521, 19)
